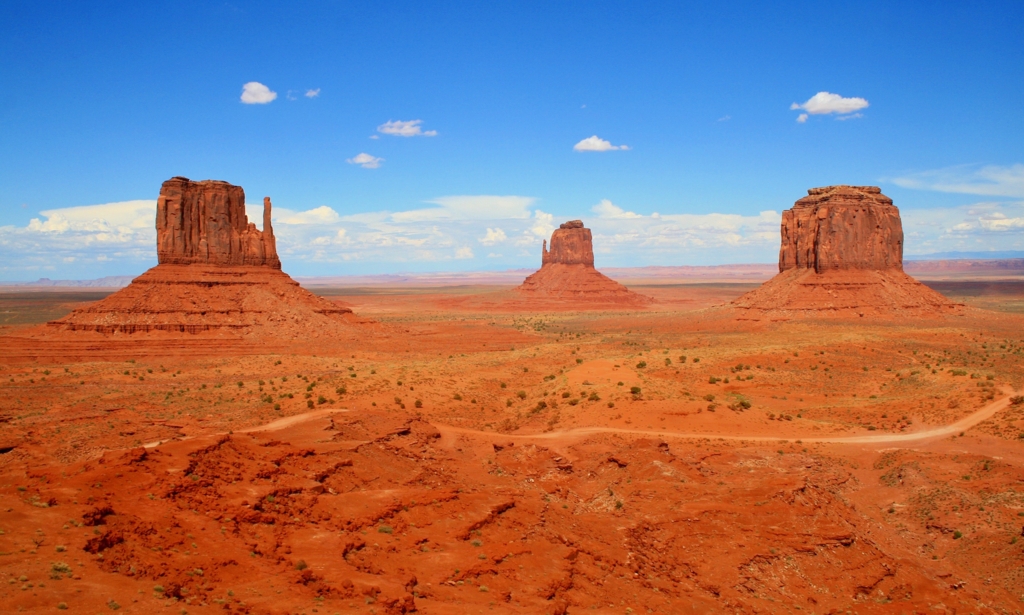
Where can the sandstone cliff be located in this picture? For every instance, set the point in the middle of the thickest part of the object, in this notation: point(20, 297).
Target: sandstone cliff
point(205, 223)
point(842, 255)
point(571, 244)
point(842, 227)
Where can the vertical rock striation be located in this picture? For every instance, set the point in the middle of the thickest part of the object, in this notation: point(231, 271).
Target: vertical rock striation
point(205, 223)
point(842, 255)
point(842, 227)
point(571, 244)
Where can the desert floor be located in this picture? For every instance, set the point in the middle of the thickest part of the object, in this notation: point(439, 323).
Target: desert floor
point(463, 455)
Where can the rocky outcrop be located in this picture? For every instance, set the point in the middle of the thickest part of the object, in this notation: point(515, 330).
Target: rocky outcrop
point(218, 277)
point(567, 275)
point(571, 244)
point(842, 255)
point(205, 223)
point(842, 227)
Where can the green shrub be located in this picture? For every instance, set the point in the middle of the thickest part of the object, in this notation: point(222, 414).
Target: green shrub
point(635, 390)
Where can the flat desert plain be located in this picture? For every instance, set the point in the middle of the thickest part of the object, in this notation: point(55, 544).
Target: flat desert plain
point(460, 453)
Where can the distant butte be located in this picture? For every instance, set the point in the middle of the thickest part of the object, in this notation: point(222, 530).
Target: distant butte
point(842, 254)
point(567, 272)
point(217, 275)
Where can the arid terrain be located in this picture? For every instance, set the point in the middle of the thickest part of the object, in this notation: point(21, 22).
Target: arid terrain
point(455, 457)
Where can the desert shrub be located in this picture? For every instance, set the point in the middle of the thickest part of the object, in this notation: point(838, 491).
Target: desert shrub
point(503, 385)
point(611, 404)
point(579, 361)
point(240, 384)
point(419, 403)
point(641, 365)
point(309, 404)
point(565, 395)
point(541, 405)
point(321, 400)
point(457, 397)
point(301, 565)
point(521, 394)
point(713, 380)
point(398, 400)
point(594, 397)
point(1017, 400)
point(385, 529)
point(957, 535)
point(573, 402)
point(341, 390)
point(635, 390)
point(709, 397)
point(508, 403)
point(696, 360)
point(682, 358)
point(668, 361)
point(277, 406)
point(549, 377)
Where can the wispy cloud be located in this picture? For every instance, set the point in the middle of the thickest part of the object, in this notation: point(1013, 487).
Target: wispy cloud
point(826, 103)
point(607, 209)
point(255, 93)
point(470, 207)
point(597, 144)
point(365, 160)
point(988, 180)
point(312, 93)
point(411, 128)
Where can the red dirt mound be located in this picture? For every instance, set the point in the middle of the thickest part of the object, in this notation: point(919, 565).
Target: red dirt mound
point(258, 302)
point(842, 254)
point(567, 272)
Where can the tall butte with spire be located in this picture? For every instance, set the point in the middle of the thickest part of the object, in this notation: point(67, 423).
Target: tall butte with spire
point(217, 274)
point(567, 272)
point(842, 254)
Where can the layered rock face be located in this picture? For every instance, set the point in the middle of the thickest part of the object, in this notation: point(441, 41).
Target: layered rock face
point(567, 275)
point(842, 227)
point(842, 255)
point(205, 223)
point(218, 275)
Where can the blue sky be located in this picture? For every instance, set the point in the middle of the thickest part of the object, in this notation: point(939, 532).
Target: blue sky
point(101, 102)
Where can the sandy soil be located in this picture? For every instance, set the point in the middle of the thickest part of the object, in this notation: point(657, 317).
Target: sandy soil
point(470, 456)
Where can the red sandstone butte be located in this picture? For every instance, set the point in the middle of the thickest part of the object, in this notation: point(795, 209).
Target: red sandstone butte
point(204, 222)
point(567, 272)
point(842, 254)
point(218, 275)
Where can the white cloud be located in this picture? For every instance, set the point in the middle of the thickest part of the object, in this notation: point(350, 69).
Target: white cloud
point(824, 103)
point(607, 209)
point(470, 207)
point(990, 180)
point(543, 224)
point(374, 137)
point(366, 161)
point(255, 93)
point(312, 93)
point(466, 252)
point(493, 255)
point(319, 215)
point(493, 236)
point(597, 144)
point(410, 128)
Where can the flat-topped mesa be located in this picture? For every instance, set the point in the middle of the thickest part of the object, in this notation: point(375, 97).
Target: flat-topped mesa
point(571, 244)
point(205, 223)
point(842, 227)
point(842, 255)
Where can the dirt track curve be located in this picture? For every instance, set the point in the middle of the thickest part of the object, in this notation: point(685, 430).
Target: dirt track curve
point(963, 424)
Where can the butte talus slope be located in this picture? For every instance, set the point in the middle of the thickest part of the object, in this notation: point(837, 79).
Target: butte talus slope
point(217, 275)
point(842, 255)
point(567, 273)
